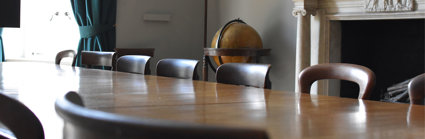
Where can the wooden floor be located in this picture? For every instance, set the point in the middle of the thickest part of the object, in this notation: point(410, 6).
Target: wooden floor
point(283, 114)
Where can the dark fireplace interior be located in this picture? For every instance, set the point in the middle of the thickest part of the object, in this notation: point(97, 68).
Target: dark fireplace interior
point(393, 49)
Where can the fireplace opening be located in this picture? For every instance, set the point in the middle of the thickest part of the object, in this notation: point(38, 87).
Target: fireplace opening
point(393, 49)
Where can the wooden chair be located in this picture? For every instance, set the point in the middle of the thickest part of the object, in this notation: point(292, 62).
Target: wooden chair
point(20, 120)
point(361, 75)
point(63, 54)
point(179, 68)
point(134, 64)
point(130, 51)
point(255, 75)
point(416, 89)
point(96, 58)
point(86, 123)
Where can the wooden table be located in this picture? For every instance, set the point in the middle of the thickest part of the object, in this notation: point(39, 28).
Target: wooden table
point(282, 114)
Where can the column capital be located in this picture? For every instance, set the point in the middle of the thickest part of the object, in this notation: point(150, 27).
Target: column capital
point(303, 12)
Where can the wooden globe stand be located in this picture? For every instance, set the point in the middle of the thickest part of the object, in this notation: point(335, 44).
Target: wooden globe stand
point(252, 52)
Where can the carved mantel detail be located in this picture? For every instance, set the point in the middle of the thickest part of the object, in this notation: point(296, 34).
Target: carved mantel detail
point(388, 5)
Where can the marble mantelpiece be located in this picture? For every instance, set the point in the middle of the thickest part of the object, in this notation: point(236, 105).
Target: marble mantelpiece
point(318, 29)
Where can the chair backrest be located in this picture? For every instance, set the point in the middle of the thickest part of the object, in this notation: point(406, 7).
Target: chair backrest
point(179, 68)
point(19, 119)
point(64, 54)
point(361, 75)
point(134, 64)
point(256, 75)
point(96, 58)
point(130, 51)
point(81, 122)
point(417, 90)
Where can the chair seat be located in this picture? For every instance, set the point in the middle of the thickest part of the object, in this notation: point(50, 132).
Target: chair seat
point(134, 64)
point(361, 75)
point(21, 121)
point(96, 58)
point(256, 75)
point(87, 123)
point(64, 54)
point(178, 68)
point(416, 89)
point(130, 51)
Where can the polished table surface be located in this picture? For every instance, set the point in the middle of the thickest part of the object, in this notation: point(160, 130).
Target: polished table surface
point(282, 114)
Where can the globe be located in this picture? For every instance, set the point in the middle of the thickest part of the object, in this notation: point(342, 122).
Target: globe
point(236, 34)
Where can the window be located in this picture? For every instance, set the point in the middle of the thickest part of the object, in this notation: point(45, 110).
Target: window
point(47, 27)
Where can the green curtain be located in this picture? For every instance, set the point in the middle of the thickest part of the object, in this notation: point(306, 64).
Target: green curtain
point(96, 19)
point(1, 46)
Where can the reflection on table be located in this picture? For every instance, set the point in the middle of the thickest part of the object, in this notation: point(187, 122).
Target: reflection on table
point(282, 114)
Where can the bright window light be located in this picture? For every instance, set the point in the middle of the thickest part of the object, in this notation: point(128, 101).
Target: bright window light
point(47, 27)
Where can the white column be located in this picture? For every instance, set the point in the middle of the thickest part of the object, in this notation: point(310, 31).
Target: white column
point(303, 42)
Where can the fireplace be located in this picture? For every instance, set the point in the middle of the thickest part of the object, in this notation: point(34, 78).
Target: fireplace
point(393, 49)
point(322, 36)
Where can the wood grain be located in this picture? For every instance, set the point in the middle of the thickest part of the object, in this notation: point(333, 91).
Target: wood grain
point(283, 114)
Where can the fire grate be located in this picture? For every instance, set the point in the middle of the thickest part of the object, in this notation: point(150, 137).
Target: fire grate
point(397, 93)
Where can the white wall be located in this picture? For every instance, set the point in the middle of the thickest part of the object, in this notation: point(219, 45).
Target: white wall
point(183, 36)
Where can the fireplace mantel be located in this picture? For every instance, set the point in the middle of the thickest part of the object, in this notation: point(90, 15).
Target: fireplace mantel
point(317, 33)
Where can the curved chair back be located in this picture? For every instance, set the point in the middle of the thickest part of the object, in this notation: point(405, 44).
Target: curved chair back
point(134, 64)
point(19, 119)
point(130, 51)
point(96, 58)
point(86, 123)
point(417, 90)
point(179, 68)
point(256, 75)
point(64, 54)
point(361, 75)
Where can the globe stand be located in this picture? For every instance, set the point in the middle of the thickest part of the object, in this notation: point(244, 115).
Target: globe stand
point(251, 52)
